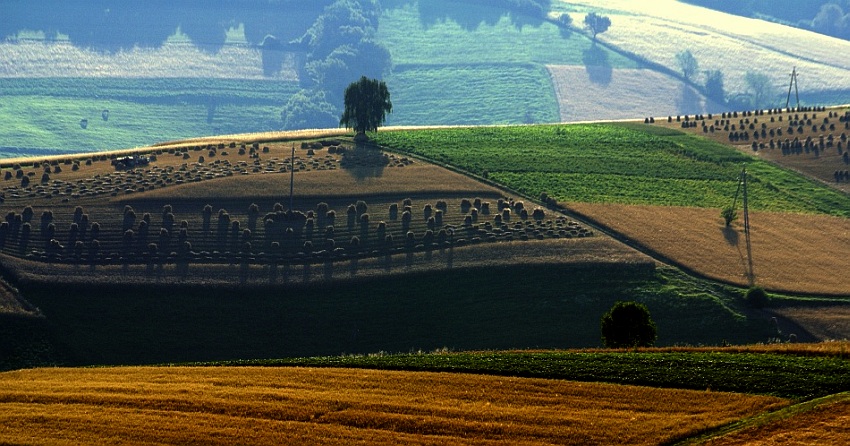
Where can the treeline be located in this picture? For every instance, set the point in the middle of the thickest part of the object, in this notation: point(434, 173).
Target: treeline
point(531, 7)
point(339, 48)
point(830, 17)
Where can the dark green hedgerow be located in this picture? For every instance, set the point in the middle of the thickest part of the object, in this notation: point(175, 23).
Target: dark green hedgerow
point(786, 376)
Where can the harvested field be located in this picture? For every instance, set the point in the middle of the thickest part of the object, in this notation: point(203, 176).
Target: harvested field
point(218, 204)
point(347, 406)
point(824, 422)
point(812, 142)
point(622, 93)
point(822, 322)
point(791, 252)
point(345, 184)
point(596, 253)
point(657, 30)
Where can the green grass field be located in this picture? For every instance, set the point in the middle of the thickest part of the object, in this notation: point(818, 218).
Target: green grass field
point(472, 94)
point(46, 113)
point(617, 163)
point(477, 67)
point(485, 36)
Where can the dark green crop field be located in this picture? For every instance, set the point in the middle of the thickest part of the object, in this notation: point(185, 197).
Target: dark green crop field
point(617, 163)
point(787, 376)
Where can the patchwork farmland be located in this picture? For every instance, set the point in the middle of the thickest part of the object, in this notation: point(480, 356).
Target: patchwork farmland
point(431, 287)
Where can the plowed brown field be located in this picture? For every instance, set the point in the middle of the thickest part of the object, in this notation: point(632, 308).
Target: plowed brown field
point(791, 252)
point(347, 406)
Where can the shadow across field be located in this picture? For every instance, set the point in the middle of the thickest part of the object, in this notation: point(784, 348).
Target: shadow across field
point(598, 66)
point(470, 309)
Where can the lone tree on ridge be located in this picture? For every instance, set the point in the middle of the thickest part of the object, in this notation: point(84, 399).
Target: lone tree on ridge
point(596, 23)
point(688, 63)
point(627, 324)
point(367, 103)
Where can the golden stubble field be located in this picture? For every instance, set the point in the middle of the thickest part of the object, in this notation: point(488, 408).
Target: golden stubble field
point(824, 424)
point(791, 252)
point(183, 405)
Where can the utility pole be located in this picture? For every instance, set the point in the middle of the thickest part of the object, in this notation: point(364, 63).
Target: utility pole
point(750, 273)
point(291, 178)
point(796, 91)
point(742, 189)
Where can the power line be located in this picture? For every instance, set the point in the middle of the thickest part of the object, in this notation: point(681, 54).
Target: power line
point(796, 91)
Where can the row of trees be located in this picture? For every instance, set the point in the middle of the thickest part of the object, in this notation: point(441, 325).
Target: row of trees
point(595, 23)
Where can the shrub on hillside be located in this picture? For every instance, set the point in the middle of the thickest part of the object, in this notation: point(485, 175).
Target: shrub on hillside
point(628, 324)
point(729, 214)
point(756, 297)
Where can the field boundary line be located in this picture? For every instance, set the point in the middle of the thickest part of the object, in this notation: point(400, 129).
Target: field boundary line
point(764, 419)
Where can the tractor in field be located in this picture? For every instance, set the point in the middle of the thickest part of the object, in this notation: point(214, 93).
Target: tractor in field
point(130, 162)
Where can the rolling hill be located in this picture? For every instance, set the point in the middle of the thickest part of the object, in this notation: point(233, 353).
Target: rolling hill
point(453, 62)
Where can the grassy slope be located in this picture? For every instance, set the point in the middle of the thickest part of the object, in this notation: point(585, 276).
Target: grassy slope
point(787, 376)
point(46, 113)
point(494, 308)
point(617, 163)
point(490, 70)
point(658, 30)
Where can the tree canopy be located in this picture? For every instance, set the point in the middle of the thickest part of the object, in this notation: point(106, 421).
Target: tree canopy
point(308, 109)
point(688, 63)
point(596, 23)
point(714, 88)
point(760, 88)
point(367, 103)
point(627, 324)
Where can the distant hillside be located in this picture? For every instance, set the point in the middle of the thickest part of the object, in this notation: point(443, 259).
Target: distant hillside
point(112, 74)
point(822, 16)
point(656, 31)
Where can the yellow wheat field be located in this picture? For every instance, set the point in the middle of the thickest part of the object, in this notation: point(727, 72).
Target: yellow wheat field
point(824, 424)
point(346, 406)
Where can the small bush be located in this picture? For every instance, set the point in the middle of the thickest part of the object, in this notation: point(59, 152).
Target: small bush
point(729, 215)
point(756, 297)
